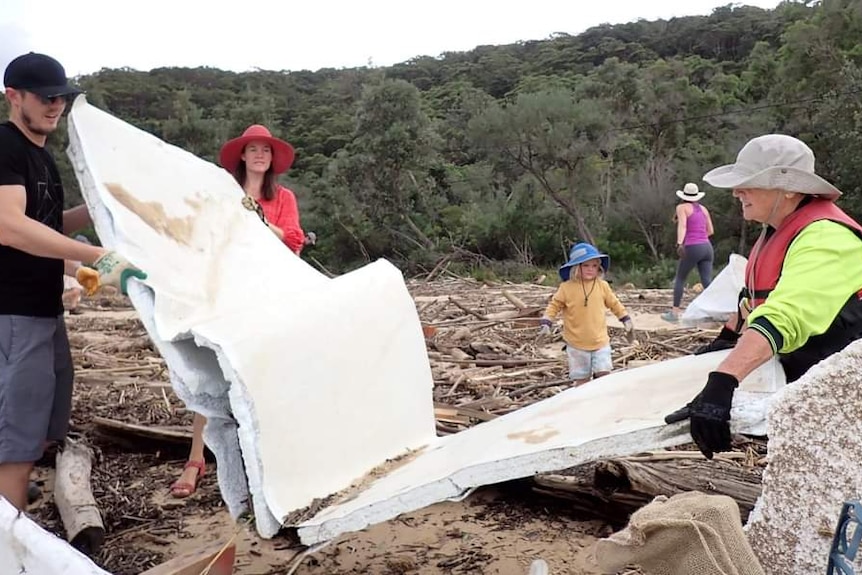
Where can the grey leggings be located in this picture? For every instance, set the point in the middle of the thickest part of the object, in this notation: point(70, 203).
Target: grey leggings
point(700, 255)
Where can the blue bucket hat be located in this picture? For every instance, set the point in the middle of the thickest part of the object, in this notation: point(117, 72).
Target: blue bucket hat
point(581, 253)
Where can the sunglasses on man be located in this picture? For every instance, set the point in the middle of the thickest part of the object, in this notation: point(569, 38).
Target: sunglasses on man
point(48, 101)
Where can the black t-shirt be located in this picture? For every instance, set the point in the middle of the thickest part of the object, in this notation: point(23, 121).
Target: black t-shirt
point(31, 285)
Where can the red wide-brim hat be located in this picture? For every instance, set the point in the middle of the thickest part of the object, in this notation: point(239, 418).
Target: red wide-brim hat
point(231, 153)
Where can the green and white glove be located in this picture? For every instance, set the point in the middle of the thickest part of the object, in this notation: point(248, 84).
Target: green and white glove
point(115, 270)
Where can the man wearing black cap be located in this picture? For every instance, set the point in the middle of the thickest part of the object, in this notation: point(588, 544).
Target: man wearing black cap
point(35, 361)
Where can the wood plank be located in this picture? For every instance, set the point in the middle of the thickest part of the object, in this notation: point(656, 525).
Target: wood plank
point(450, 415)
point(445, 410)
point(196, 562)
point(500, 362)
point(114, 429)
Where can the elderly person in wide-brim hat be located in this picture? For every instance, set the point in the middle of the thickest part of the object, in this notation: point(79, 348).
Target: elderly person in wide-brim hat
point(802, 299)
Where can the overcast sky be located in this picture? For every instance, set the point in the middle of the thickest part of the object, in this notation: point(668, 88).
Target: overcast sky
point(288, 35)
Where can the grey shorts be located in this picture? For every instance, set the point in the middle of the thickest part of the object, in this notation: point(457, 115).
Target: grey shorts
point(584, 364)
point(36, 376)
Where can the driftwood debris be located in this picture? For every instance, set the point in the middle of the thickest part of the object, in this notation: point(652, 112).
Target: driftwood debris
point(134, 435)
point(74, 498)
point(212, 560)
point(486, 355)
point(122, 380)
point(617, 487)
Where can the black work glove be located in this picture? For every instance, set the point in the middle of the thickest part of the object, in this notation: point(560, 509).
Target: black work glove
point(709, 414)
point(681, 413)
point(725, 340)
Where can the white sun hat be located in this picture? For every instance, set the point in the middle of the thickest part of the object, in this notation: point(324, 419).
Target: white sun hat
point(690, 193)
point(773, 162)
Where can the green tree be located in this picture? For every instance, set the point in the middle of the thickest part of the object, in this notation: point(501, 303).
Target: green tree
point(385, 169)
point(552, 137)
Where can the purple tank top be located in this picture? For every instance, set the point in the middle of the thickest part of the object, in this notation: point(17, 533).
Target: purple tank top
point(695, 227)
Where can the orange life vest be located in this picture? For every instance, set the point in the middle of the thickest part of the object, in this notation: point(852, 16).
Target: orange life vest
point(767, 256)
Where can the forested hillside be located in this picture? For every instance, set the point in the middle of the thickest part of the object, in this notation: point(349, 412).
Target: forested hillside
point(502, 156)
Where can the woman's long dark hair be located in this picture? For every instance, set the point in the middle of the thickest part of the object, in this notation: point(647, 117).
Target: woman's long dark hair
point(269, 184)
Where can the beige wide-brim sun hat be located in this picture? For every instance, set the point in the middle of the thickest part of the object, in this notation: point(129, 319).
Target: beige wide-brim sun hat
point(773, 162)
point(690, 193)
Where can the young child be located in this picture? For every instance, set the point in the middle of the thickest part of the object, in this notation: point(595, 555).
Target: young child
point(582, 299)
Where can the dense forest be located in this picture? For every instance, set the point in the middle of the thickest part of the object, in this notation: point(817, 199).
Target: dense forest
point(495, 160)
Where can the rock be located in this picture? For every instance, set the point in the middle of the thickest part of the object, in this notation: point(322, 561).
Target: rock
point(814, 466)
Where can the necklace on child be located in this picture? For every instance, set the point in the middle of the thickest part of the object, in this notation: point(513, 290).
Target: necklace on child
point(587, 294)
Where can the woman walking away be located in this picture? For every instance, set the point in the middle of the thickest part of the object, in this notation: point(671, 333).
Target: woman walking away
point(693, 228)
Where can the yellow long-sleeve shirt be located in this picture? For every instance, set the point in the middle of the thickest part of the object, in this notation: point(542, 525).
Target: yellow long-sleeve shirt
point(583, 307)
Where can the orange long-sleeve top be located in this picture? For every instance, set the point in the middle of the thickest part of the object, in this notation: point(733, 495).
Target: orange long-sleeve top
point(582, 305)
point(282, 212)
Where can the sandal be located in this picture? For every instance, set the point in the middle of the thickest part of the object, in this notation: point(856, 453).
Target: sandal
point(182, 489)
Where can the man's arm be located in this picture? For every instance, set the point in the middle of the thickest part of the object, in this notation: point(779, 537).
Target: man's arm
point(70, 267)
point(28, 235)
point(76, 219)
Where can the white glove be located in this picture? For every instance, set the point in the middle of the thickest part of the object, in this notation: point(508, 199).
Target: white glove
point(113, 270)
point(627, 323)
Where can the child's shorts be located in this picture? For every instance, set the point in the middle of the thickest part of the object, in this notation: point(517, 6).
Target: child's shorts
point(583, 364)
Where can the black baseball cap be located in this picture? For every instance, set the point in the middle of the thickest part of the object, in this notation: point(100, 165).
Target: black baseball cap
point(39, 74)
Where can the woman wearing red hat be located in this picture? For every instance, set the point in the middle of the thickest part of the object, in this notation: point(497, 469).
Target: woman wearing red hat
point(254, 159)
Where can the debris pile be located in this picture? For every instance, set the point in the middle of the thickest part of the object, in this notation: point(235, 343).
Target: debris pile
point(487, 359)
point(126, 411)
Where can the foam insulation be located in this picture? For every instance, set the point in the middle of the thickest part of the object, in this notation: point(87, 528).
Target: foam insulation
point(814, 466)
point(288, 365)
point(721, 297)
point(617, 415)
point(27, 548)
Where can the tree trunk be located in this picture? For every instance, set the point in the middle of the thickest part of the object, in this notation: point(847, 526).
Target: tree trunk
point(570, 208)
point(648, 237)
point(574, 213)
point(74, 499)
point(618, 487)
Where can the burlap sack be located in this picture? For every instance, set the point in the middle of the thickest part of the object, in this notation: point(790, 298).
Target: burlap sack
point(689, 534)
